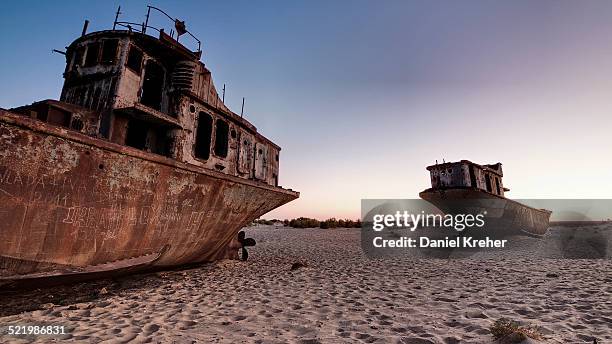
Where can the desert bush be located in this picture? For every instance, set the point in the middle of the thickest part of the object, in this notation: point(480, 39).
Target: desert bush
point(329, 223)
point(304, 222)
point(333, 223)
point(512, 332)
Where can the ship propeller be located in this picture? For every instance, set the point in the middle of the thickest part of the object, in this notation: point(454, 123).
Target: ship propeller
point(245, 242)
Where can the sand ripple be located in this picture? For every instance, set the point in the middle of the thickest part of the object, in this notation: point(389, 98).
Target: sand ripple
point(340, 296)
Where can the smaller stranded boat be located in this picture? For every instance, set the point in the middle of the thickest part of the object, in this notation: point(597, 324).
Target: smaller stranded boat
point(467, 188)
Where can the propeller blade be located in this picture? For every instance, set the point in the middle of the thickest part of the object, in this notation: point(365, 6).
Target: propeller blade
point(248, 242)
point(245, 254)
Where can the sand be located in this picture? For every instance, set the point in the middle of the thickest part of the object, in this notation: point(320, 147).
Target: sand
point(339, 296)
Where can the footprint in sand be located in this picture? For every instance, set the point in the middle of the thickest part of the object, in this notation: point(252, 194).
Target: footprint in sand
point(185, 325)
point(151, 328)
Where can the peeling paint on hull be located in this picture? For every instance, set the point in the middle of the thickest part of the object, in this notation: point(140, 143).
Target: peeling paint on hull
point(71, 202)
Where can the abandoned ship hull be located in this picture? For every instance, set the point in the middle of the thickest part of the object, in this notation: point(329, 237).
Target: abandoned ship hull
point(72, 204)
point(502, 216)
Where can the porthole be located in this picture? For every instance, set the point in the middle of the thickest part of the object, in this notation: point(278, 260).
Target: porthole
point(191, 108)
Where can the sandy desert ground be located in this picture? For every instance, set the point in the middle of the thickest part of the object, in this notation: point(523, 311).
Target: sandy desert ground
point(341, 296)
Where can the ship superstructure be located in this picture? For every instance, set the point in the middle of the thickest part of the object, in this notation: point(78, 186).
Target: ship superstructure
point(139, 164)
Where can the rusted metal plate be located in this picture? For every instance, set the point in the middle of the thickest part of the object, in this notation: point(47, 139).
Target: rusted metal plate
point(69, 200)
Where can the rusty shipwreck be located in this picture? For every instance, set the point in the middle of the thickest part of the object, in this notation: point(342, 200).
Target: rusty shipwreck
point(138, 165)
point(464, 187)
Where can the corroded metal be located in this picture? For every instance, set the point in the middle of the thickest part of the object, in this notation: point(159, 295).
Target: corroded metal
point(72, 201)
point(139, 165)
point(464, 187)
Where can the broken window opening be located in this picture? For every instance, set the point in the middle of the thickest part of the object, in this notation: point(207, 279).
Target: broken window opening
point(488, 183)
point(221, 138)
point(109, 51)
point(137, 134)
point(153, 85)
point(93, 50)
point(203, 136)
point(134, 60)
point(497, 186)
point(148, 137)
point(78, 57)
point(472, 177)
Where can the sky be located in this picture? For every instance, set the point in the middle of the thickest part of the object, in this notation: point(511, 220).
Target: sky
point(363, 95)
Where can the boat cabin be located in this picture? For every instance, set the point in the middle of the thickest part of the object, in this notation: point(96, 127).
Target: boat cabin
point(138, 86)
point(466, 174)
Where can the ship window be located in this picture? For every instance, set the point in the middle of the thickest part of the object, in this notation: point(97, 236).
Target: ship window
point(78, 56)
point(149, 137)
point(152, 86)
point(497, 186)
point(203, 136)
point(134, 60)
point(137, 134)
point(473, 182)
point(93, 50)
point(488, 183)
point(109, 51)
point(221, 144)
point(450, 170)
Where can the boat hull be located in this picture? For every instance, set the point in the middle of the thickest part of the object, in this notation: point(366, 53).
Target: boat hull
point(71, 203)
point(502, 216)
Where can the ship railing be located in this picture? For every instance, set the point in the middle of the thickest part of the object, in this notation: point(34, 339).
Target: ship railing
point(142, 27)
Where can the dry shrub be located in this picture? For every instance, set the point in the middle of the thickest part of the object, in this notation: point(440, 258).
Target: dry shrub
point(510, 331)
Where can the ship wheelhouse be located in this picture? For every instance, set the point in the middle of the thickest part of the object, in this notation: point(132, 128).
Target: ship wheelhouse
point(466, 174)
point(154, 94)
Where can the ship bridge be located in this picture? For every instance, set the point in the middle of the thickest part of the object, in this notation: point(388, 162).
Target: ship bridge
point(466, 174)
point(139, 86)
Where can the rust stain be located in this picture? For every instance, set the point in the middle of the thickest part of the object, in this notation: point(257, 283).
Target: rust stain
point(139, 162)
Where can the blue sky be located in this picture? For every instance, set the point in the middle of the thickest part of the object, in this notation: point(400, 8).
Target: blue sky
point(362, 95)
